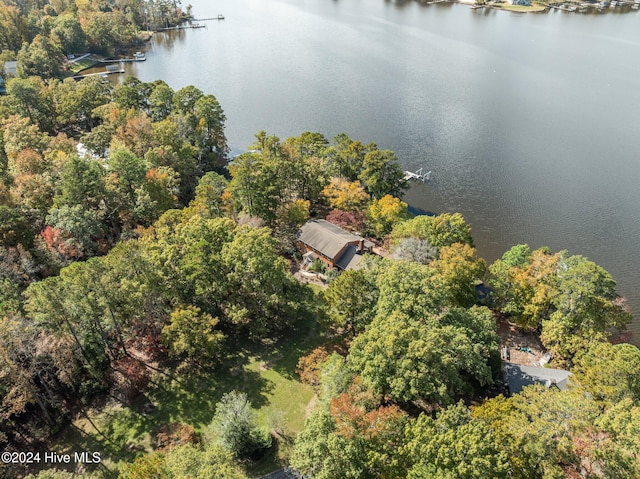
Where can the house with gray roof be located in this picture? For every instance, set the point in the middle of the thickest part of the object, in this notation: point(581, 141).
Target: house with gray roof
point(519, 376)
point(335, 247)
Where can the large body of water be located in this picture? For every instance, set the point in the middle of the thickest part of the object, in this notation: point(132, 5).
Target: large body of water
point(529, 122)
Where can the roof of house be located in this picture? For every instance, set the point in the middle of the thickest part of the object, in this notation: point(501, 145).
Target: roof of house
point(519, 376)
point(349, 259)
point(10, 68)
point(281, 474)
point(326, 237)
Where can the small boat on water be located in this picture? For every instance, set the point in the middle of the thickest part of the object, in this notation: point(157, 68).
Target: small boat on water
point(220, 16)
point(139, 56)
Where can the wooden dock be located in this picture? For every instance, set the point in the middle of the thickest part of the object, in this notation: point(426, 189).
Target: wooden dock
point(418, 175)
point(109, 72)
point(125, 60)
point(219, 17)
point(179, 27)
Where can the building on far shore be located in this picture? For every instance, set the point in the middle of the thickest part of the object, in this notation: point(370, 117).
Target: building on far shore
point(522, 3)
point(335, 247)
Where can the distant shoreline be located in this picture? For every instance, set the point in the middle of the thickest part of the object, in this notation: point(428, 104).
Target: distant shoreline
point(570, 6)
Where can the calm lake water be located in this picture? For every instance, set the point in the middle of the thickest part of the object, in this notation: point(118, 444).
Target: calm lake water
point(529, 122)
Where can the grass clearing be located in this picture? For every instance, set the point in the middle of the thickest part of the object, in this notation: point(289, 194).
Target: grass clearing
point(83, 64)
point(266, 373)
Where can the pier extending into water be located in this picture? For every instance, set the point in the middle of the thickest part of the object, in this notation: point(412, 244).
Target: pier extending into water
point(108, 72)
point(219, 17)
point(179, 27)
point(418, 175)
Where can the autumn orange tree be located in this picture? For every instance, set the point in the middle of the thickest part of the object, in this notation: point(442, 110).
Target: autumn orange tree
point(355, 437)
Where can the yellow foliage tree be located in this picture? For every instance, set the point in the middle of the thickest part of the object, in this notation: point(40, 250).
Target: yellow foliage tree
point(345, 195)
point(384, 213)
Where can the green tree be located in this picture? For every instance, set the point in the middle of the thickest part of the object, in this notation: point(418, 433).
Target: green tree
point(81, 183)
point(615, 453)
point(234, 427)
point(382, 174)
point(107, 31)
point(609, 372)
point(334, 378)
point(160, 101)
point(126, 174)
point(13, 25)
point(431, 360)
point(157, 194)
point(186, 256)
point(68, 35)
point(541, 430)
point(443, 230)
point(31, 98)
point(408, 287)
point(523, 285)
point(259, 184)
point(210, 140)
point(570, 299)
point(185, 99)
point(77, 100)
point(461, 271)
point(193, 334)
point(208, 201)
point(351, 299)
point(132, 94)
point(309, 152)
point(20, 134)
point(40, 58)
point(14, 227)
point(586, 305)
point(260, 293)
point(188, 460)
point(313, 453)
point(453, 445)
point(10, 301)
point(347, 157)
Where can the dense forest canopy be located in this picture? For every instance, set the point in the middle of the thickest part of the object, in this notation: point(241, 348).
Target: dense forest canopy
point(134, 252)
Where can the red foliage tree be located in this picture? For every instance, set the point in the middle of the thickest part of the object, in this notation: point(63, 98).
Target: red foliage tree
point(353, 221)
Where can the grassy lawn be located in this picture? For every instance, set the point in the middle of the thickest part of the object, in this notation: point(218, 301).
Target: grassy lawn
point(266, 373)
point(82, 65)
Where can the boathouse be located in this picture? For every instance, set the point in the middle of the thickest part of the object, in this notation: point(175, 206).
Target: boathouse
point(335, 247)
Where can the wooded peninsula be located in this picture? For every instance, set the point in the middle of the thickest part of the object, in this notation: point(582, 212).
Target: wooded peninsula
point(169, 311)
